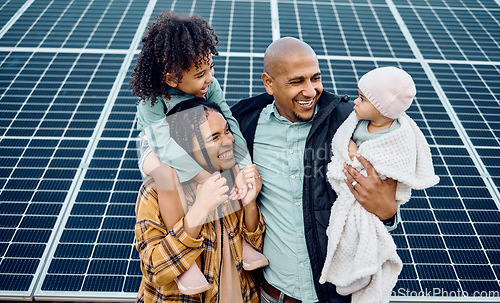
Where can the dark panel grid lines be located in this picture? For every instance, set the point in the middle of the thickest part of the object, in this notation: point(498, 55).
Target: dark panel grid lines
point(69, 173)
point(54, 95)
point(35, 177)
point(96, 249)
point(454, 33)
point(77, 24)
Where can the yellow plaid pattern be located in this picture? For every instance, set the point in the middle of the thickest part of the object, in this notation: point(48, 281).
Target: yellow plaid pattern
point(165, 254)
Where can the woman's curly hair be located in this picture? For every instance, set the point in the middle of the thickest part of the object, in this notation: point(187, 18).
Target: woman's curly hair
point(172, 44)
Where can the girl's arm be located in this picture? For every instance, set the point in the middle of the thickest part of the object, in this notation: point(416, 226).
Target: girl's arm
point(152, 120)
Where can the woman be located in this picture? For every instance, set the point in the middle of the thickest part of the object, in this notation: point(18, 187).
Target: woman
point(210, 235)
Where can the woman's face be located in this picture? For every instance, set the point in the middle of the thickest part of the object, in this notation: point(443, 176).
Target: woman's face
point(218, 141)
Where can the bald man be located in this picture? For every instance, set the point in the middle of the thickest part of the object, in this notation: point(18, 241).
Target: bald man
point(289, 132)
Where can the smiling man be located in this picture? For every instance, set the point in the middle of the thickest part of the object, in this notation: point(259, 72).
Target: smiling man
point(292, 76)
point(289, 132)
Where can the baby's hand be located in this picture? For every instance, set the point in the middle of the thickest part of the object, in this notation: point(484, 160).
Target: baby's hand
point(352, 149)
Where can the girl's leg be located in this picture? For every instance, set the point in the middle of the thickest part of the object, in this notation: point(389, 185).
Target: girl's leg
point(251, 258)
point(192, 281)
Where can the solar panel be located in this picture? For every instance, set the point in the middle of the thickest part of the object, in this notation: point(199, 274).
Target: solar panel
point(68, 168)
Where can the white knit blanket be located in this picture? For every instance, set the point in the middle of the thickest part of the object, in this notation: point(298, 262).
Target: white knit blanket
point(361, 254)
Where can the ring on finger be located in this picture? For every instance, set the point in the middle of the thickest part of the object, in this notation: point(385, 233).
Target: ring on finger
point(354, 183)
point(258, 177)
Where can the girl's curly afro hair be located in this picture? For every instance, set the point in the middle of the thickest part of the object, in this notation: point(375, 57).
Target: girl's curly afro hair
point(172, 44)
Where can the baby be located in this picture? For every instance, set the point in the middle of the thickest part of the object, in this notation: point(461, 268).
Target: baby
point(361, 254)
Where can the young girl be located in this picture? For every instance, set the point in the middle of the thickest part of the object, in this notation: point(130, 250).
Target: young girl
point(175, 65)
point(211, 234)
point(361, 254)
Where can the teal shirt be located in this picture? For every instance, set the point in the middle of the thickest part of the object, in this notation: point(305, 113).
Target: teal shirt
point(280, 199)
point(151, 119)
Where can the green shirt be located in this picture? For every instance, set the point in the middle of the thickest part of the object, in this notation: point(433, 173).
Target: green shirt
point(151, 119)
point(280, 199)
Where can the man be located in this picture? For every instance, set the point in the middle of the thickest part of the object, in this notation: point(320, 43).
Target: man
point(289, 132)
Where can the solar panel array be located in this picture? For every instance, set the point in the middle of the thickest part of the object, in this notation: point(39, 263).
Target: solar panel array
point(68, 168)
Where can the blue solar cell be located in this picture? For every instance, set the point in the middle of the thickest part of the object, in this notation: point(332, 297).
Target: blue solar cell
point(421, 228)
point(78, 236)
point(122, 209)
point(487, 229)
point(62, 282)
point(25, 250)
point(405, 255)
point(19, 266)
point(103, 283)
point(15, 282)
point(132, 284)
point(451, 216)
point(88, 209)
point(32, 236)
point(462, 242)
point(134, 268)
point(73, 251)
point(115, 236)
point(456, 228)
point(475, 272)
point(68, 266)
point(118, 223)
point(38, 222)
point(432, 256)
point(468, 256)
point(6, 235)
point(10, 221)
point(49, 196)
point(485, 216)
point(13, 208)
point(426, 242)
point(435, 271)
point(97, 185)
point(84, 222)
point(408, 272)
point(108, 267)
point(417, 215)
point(115, 251)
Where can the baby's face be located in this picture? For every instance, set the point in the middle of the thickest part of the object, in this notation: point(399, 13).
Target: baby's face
point(364, 108)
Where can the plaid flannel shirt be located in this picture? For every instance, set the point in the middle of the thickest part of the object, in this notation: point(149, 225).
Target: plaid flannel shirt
point(165, 254)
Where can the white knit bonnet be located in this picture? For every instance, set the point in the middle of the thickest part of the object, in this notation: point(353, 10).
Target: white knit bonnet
point(390, 89)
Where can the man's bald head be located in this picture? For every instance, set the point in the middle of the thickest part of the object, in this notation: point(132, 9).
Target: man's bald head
point(281, 49)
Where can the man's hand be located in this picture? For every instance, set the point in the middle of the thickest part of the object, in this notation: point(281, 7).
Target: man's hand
point(374, 194)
